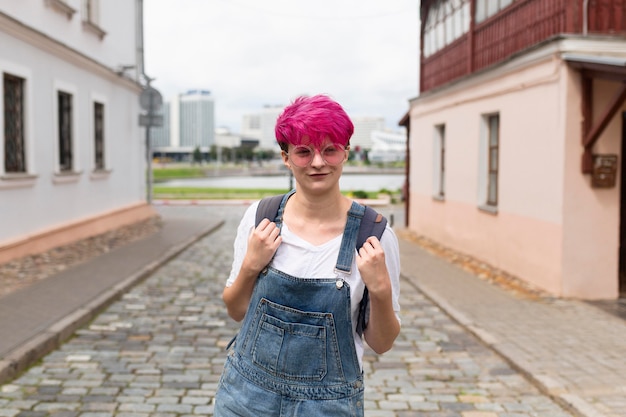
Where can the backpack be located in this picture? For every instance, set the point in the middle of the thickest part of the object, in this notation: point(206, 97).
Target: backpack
point(372, 224)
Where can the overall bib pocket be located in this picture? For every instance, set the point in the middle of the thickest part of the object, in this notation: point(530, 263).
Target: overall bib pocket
point(289, 343)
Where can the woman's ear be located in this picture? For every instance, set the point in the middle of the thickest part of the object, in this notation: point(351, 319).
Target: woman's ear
point(285, 159)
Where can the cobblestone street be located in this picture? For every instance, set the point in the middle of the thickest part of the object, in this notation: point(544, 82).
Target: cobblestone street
point(159, 350)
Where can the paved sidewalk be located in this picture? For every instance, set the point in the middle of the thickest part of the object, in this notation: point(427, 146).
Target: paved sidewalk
point(571, 350)
point(37, 319)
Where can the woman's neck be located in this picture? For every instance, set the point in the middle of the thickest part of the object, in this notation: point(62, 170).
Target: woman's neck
point(320, 207)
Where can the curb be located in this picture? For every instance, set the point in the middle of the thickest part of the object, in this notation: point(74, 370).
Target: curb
point(21, 358)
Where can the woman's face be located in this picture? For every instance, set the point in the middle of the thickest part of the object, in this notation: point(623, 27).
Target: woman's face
point(316, 169)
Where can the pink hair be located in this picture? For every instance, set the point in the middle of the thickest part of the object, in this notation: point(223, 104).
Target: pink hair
point(318, 117)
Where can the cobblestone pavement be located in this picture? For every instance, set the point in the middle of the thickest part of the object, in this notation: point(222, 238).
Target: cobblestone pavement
point(159, 351)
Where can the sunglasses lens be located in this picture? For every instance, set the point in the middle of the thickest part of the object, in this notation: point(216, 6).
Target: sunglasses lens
point(302, 155)
point(333, 154)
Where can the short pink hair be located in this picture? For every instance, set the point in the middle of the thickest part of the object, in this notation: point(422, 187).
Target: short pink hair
point(318, 117)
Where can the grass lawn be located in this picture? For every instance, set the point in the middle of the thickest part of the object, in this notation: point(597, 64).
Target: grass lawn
point(198, 193)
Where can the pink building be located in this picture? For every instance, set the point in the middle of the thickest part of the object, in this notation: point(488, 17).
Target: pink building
point(516, 139)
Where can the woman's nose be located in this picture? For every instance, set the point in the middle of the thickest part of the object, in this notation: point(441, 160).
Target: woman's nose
point(317, 158)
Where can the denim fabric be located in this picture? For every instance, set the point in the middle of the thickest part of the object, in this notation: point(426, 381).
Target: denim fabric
point(295, 353)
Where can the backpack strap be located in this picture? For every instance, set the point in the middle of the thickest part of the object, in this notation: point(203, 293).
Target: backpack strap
point(372, 224)
point(268, 208)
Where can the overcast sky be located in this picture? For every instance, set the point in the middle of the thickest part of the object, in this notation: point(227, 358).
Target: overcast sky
point(251, 53)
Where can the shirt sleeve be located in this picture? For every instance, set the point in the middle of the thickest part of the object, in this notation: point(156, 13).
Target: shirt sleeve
point(246, 225)
point(389, 242)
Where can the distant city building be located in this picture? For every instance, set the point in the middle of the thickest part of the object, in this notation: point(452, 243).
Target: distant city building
point(260, 126)
point(387, 147)
point(188, 123)
point(224, 138)
point(197, 119)
point(160, 136)
point(363, 128)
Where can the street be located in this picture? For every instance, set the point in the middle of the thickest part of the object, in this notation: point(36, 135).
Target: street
point(159, 350)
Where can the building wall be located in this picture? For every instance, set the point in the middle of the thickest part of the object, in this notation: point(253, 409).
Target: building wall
point(524, 237)
point(591, 220)
point(115, 17)
point(44, 207)
point(551, 228)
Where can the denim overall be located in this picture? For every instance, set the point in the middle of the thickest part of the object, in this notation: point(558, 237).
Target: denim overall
point(295, 353)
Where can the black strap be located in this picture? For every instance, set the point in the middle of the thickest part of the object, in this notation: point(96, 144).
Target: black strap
point(372, 224)
point(268, 208)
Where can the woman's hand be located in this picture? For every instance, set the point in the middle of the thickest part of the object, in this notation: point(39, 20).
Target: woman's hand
point(262, 244)
point(383, 326)
point(371, 264)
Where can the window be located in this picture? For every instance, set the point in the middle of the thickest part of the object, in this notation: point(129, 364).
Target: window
point(62, 7)
point(487, 8)
point(65, 131)
point(14, 152)
point(98, 135)
point(91, 11)
point(494, 146)
point(447, 20)
point(91, 18)
point(439, 166)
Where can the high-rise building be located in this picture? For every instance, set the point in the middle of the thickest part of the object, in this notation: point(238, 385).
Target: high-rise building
point(188, 123)
point(197, 119)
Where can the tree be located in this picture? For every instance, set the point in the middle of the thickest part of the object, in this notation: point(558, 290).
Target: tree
point(197, 155)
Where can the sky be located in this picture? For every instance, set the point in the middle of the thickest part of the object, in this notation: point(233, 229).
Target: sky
point(251, 53)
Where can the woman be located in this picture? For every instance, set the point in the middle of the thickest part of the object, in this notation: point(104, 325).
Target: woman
point(298, 352)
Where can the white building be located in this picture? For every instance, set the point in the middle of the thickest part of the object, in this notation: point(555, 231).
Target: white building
point(188, 123)
point(260, 126)
point(197, 119)
point(387, 146)
point(72, 158)
point(363, 128)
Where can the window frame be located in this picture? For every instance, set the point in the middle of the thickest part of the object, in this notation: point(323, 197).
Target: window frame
point(493, 159)
point(489, 162)
point(20, 120)
point(65, 132)
point(446, 21)
point(102, 170)
point(72, 173)
point(439, 162)
point(90, 11)
point(484, 9)
point(29, 176)
point(99, 130)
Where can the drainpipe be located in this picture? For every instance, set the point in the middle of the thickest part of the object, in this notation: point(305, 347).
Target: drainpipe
point(140, 49)
point(585, 16)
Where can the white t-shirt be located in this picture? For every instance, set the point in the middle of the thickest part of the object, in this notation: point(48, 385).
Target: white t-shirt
point(319, 262)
